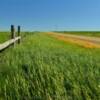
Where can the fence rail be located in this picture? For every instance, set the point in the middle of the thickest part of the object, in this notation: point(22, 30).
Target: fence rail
point(12, 40)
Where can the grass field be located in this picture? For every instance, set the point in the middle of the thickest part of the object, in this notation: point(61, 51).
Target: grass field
point(4, 36)
point(86, 33)
point(44, 68)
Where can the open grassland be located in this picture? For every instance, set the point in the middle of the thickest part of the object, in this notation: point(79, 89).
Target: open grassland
point(87, 42)
point(4, 36)
point(87, 33)
point(44, 68)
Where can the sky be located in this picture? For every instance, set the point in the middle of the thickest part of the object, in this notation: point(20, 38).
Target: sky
point(50, 15)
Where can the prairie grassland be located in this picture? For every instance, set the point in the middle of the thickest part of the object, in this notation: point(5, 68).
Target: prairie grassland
point(84, 43)
point(85, 33)
point(44, 68)
point(4, 36)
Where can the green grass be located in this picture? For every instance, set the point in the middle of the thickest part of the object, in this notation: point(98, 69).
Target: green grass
point(44, 68)
point(4, 36)
point(87, 33)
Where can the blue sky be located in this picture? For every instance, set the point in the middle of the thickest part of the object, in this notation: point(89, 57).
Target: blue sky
point(48, 15)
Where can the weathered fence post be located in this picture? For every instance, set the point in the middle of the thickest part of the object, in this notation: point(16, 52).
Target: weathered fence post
point(12, 32)
point(19, 34)
point(13, 39)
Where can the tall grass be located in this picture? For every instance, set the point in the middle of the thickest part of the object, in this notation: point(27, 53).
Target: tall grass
point(43, 68)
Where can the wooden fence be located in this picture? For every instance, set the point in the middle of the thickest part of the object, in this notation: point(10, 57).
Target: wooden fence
point(13, 39)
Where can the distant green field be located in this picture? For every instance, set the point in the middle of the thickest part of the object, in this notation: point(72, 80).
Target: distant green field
point(4, 36)
point(96, 34)
point(44, 68)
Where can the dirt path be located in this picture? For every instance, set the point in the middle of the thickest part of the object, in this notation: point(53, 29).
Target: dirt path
point(86, 41)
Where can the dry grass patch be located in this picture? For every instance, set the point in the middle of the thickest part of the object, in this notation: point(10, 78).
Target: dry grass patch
point(83, 43)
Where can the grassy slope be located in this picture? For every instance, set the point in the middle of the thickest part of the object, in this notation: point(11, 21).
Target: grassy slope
point(96, 34)
point(43, 68)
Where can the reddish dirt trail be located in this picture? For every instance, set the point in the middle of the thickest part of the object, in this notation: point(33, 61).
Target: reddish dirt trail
point(85, 41)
